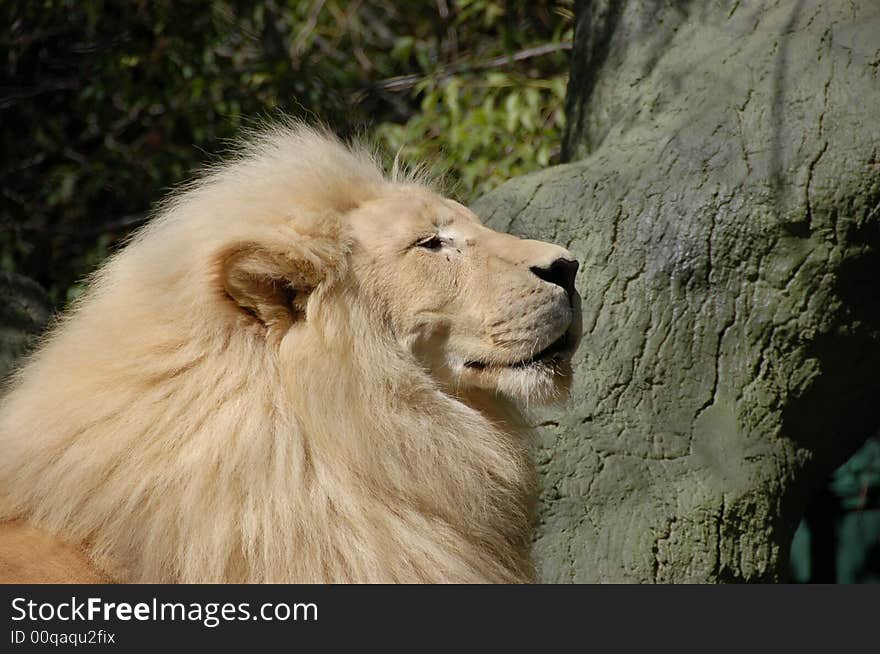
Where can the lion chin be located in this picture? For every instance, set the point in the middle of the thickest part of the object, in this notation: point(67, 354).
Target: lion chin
point(301, 370)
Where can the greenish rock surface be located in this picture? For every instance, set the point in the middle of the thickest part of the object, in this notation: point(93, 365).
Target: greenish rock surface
point(723, 197)
point(24, 312)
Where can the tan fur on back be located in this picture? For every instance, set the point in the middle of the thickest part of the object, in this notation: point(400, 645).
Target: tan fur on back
point(263, 386)
point(31, 556)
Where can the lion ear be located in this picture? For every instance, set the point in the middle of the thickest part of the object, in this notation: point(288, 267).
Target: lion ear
point(272, 286)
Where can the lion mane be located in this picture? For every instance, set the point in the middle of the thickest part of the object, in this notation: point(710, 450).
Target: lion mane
point(177, 426)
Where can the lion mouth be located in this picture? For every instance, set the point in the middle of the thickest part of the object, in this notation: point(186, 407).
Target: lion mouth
point(558, 349)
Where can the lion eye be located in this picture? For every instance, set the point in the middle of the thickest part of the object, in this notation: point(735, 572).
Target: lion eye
point(432, 243)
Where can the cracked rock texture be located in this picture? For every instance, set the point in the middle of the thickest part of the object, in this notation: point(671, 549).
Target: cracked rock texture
point(723, 197)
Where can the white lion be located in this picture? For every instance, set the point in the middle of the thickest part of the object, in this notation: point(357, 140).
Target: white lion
point(299, 371)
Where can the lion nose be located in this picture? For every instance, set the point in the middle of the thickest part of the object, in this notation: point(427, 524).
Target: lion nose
point(561, 272)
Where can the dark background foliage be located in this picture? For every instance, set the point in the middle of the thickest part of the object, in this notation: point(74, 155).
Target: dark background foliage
point(107, 105)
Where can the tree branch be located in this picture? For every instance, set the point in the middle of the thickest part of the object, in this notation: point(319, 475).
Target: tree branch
point(408, 81)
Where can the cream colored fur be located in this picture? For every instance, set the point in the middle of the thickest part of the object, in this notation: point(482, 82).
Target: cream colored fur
point(280, 380)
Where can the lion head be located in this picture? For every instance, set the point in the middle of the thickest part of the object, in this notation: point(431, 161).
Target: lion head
point(477, 308)
point(300, 370)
